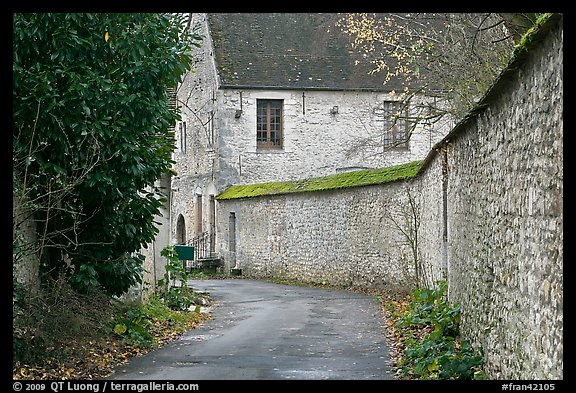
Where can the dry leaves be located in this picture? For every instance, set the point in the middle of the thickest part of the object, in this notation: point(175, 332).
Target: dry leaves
point(93, 360)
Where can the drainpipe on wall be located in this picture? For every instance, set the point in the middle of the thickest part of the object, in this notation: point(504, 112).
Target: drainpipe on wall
point(443, 152)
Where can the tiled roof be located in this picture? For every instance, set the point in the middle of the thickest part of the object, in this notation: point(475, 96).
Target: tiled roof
point(295, 51)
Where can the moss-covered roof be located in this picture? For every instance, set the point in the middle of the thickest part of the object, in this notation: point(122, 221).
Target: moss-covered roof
point(365, 177)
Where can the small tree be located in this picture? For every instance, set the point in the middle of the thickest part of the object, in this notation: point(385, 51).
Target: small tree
point(404, 217)
point(176, 297)
point(91, 135)
point(446, 60)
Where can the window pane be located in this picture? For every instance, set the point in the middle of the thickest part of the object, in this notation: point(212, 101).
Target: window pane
point(269, 123)
point(394, 119)
point(260, 122)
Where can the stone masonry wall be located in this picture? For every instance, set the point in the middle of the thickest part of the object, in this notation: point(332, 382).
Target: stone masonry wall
point(316, 142)
point(196, 153)
point(505, 221)
point(340, 237)
point(428, 188)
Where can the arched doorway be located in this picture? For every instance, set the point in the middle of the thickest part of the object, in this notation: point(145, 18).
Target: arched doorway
point(180, 230)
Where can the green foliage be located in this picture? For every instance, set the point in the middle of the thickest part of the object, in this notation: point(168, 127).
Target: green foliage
point(92, 122)
point(176, 297)
point(179, 298)
point(526, 40)
point(441, 357)
point(63, 334)
point(429, 307)
point(174, 268)
point(440, 353)
point(133, 323)
point(139, 323)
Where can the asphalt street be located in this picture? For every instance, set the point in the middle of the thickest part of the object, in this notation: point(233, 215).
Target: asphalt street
point(267, 331)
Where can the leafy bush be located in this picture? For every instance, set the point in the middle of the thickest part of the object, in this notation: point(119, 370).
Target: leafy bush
point(142, 324)
point(60, 333)
point(429, 307)
point(180, 298)
point(433, 348)
point(92, 133)
point(133, 324)
point(177, 298)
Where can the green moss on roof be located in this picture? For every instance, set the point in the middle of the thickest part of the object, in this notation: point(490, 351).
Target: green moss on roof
point(343, 180)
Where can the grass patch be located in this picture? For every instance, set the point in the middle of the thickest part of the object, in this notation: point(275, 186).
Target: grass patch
point(343, 180)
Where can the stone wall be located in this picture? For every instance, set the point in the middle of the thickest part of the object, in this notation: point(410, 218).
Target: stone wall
point(154, 264)
point(341, 237)
point(197, 151)
point(490, 200)
point(505, 219)
point(432, 242)
point(215, 148)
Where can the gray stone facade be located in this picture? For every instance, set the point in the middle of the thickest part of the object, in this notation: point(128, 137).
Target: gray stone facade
point(316, 141)
point(216, 139)
point(505, 220)
point(340, 237)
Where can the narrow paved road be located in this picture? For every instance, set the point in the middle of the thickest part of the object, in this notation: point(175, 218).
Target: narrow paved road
point(263, 331)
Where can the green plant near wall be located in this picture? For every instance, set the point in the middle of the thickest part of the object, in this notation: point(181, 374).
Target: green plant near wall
point(133, 323)
point(136, 322)
point(175, 270)
point(176, 297)
point(433, 346)
point(142, 325)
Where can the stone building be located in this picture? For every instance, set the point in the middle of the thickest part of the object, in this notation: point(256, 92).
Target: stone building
point(276, 97)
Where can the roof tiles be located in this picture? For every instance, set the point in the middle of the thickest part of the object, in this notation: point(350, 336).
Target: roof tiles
point(290, 51)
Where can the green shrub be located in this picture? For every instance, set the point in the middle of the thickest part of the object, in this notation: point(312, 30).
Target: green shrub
point(178, 298)
point(141, 324)
point(132, 323)
point(137, 322)
point(429, 308)
point(437, 352)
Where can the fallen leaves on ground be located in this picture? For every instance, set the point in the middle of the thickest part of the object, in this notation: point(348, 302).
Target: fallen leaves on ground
point(96, 360)
point(392, 306)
